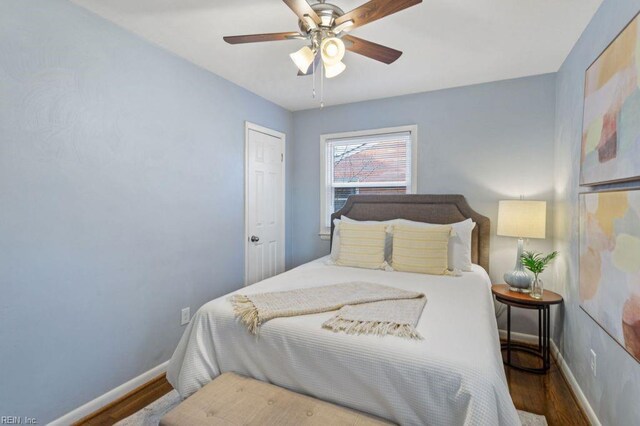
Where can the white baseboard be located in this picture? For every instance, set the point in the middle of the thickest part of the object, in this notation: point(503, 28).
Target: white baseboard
point(566, 371)
point(577, 391)
point(109, 397)
point(529, 339)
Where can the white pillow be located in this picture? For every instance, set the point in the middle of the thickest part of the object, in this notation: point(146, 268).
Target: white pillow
point(335, 242)
point(459, 242)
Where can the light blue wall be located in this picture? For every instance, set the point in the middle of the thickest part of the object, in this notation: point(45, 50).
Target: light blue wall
point(121, 201)
point(615, 393)
point(488, 142)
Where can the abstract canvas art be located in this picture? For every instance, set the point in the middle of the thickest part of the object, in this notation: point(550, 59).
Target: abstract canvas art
point(611, 122)
point(610, 263)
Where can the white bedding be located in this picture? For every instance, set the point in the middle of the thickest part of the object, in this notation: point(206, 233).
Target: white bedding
point(452, 377)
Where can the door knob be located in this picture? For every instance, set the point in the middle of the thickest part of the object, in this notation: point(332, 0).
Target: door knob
point(254, 239)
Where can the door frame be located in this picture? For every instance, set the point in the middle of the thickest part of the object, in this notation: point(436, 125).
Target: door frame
point(283, 137)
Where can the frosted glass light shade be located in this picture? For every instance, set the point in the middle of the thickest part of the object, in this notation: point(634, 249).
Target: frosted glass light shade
point(332, 50)
point(522, 219)
point(303, 58)
point(331, 71)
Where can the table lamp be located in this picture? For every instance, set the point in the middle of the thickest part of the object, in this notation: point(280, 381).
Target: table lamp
point(521, 219)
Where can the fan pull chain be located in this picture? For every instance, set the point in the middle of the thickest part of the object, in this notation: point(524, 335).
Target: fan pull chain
point(313, 75)
point(321, 86)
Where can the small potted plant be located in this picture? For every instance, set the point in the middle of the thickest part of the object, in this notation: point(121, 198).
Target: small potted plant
point(536, 263)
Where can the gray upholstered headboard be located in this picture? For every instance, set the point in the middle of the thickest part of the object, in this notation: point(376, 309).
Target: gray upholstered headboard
point(441, 209)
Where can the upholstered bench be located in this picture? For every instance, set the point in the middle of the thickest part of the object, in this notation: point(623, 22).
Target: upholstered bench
point(231, 400)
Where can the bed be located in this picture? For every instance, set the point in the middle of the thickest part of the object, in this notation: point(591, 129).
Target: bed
point(454, 376)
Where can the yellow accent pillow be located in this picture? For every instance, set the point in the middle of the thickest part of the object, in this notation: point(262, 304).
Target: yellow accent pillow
point(421, 250)
point(362, 246)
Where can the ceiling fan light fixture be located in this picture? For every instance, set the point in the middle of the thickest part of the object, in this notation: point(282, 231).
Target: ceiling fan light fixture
point(311, 24)
point(332, 50)
point(345, 26)
point(303, 58)
point(333, 70)
point(326, 20)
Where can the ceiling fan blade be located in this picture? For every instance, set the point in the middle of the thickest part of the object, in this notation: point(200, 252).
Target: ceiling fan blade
point(254, 38)
point(371, 50)
point(374, 10)
point(302, 8)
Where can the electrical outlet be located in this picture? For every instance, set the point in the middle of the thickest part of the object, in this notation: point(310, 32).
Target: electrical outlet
point(593, 362)
point(186, 316)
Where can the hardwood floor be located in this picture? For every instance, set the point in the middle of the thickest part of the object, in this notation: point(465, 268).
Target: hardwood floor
point(546, 394)
point(129, 404)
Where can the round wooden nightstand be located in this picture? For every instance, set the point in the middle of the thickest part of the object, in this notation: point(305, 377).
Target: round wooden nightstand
point(521, 300)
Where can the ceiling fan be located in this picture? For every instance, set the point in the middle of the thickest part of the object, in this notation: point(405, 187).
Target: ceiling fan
point(325, 27)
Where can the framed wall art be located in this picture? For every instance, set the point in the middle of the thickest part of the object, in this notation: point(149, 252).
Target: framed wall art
point(611, 121)
point(610, 263)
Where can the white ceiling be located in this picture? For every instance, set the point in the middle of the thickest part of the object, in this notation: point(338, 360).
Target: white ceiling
point(446, 43)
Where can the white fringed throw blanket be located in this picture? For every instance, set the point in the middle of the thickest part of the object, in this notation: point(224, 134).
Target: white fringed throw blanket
point(363, 308)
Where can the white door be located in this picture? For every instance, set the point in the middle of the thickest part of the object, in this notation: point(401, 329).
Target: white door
point(264, 203)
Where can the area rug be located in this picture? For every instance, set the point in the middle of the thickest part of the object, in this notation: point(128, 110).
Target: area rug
point(152, 413)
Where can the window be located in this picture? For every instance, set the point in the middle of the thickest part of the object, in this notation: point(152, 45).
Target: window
point(368, 162)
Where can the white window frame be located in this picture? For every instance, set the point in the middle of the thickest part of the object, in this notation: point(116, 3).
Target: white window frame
point(325, 231)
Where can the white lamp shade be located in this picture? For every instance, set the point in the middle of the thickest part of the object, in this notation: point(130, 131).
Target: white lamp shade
point(331, 71)
point(332, 50)
point(522, 219)
point(303, 58)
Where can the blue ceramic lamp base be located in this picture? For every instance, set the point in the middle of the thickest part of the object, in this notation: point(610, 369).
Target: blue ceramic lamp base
point(518, 279)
